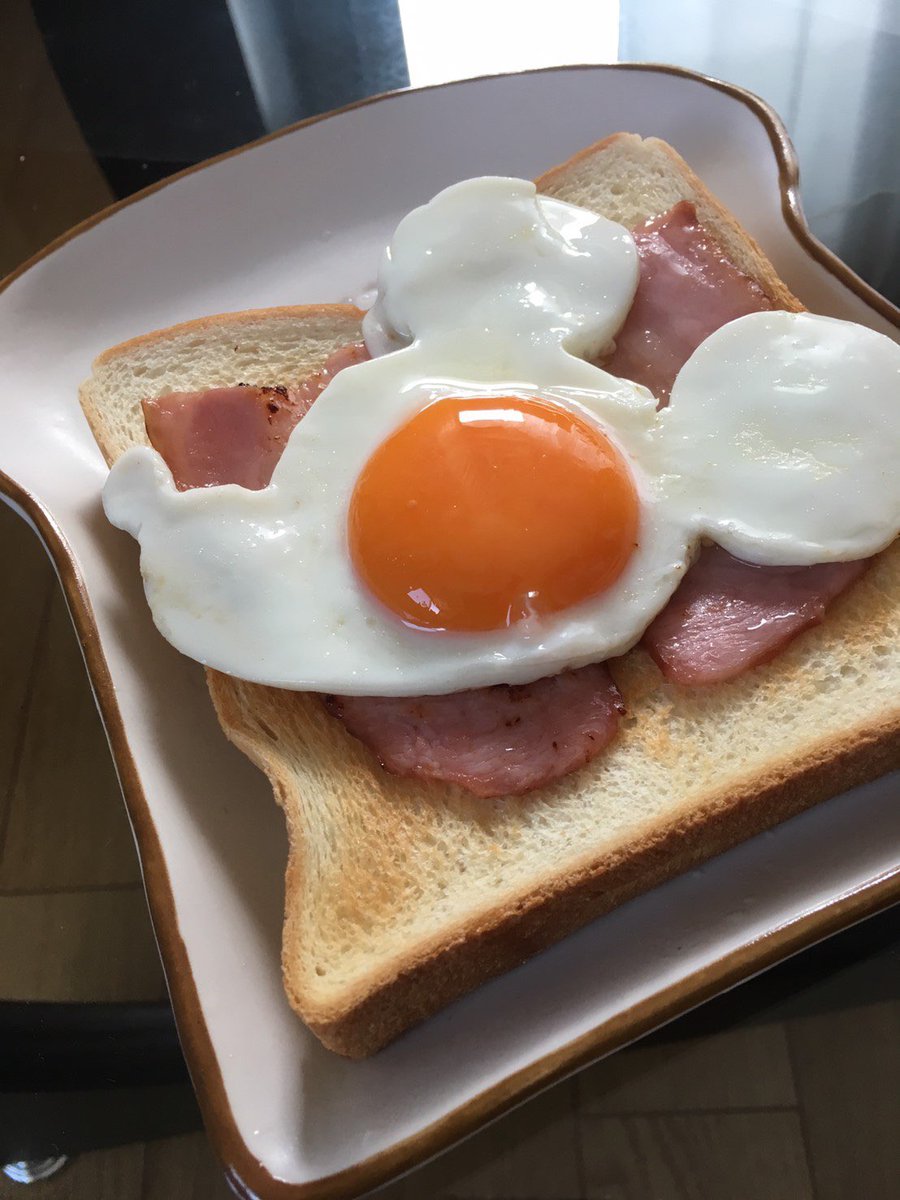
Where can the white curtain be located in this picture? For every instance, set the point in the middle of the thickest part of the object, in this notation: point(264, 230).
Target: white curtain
point(831, 69)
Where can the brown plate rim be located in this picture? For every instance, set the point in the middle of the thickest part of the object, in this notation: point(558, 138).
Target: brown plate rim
point(246, 1174)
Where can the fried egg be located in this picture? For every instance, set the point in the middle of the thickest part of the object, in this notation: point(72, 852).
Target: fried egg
point(479, 504)
point(792, 422)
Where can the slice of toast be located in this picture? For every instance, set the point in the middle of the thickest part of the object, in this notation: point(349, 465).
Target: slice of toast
point(402, 895)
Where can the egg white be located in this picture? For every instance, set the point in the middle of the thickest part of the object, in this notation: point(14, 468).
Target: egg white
point(489, 260)
point(498, 293)
point(260, 584)
point(786, 430)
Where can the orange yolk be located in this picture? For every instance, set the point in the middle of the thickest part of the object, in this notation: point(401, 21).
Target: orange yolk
point(479, 512)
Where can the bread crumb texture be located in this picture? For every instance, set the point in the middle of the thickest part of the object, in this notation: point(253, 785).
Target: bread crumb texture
point(269, 347)
point(382, 865)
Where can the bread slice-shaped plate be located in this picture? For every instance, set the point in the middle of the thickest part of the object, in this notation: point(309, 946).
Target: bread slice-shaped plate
point(288, 1118)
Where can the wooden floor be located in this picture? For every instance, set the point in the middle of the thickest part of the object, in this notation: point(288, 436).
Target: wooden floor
point(795, 1107)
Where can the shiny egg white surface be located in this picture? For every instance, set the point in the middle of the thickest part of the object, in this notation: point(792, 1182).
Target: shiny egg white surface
point(779, 442)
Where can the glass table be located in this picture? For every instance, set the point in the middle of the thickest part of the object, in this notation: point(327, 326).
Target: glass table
point(787, 1087)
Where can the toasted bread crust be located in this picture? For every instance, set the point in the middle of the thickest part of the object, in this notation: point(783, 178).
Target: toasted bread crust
point(507, 937)
point(313, 763)
point(400, 992)
point(735, 240)
point(341, 320)
point(235, 321)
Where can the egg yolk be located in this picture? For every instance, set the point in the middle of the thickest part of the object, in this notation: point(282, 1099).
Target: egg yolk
point(480, 512)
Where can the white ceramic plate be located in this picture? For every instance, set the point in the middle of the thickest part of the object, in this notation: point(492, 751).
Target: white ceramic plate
point(302, 217)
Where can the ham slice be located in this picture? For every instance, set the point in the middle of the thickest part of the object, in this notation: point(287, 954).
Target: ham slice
point(223, 435)
point(494, 741)
point(234, 434)
point(313, 386)
point(726, 617)
point(687, 290)
point(729, 615)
